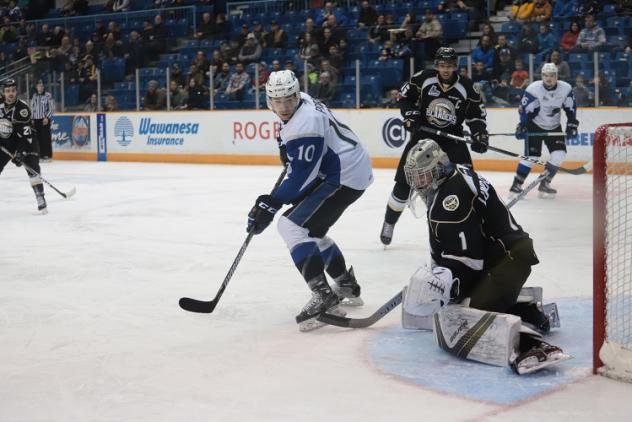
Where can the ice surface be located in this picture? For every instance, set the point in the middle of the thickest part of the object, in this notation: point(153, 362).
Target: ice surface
point(90, 329)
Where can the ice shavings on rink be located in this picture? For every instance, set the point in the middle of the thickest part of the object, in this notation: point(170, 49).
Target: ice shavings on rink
point(414, 356)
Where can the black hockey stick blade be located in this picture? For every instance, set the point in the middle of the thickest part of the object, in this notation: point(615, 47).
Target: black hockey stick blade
point(199, 306)
point(346, 322)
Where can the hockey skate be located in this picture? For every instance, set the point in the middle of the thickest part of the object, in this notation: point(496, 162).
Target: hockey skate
point(41, 201)
point(545, 191)
point(386, 236)
point(515, 190)
point(348, 289)
point(538, 357)
point(324, 299)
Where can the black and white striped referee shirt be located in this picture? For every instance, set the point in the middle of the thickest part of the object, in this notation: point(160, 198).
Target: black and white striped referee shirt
point(42, 106)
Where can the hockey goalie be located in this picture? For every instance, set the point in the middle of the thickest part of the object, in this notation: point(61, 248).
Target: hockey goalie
point(472, 295)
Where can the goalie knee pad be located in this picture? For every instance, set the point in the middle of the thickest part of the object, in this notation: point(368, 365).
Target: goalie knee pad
point(481, 336)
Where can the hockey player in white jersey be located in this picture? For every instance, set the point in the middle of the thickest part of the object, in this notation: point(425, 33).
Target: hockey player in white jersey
point(328, 170)
point(540, 114)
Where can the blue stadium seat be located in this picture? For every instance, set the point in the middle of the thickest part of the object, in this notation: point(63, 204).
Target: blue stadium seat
point(618, 40)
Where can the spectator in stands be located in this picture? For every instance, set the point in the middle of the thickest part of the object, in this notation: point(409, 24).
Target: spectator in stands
point(155, 98)
point(92, 105)
point(584, 8)
point(21, 51)
point(335, 58)
point(71, 75)
point(114, 30)
point(110, 48)
point(503, 43)
point(484, 53)
point(475, 10)
point(430, 34)
point(527, 41)
point(546, 40)
point(606, 97)
point(238, 83)
point(386, 53)
point(563, 8)
point(289, 65)
point(197, 98)
point(368, 15)
point(74, 8)
point(15, 14)
point(195, 73)
point(310, 28)
point(263, 75)
point(220, 81)
point(336, 31)
point(309, 49)
point(61, 54)
point(160, 35)
point(8, 32)
point(251, 50)
point(276, 38)
point(390, 21)
point(257, 30)
point(121, 5)
point(230, 50)
point(519, 77)
point(411, 22)
point(569, 38)
point(390, 101)
point(404, 49)
point(325, 66)
point(58, 34)
point(328, 10)
point(480, 73)
point(201, 62)
point(563, 69)
point(134, 53)
point(110, 104)
point(503, 64)
point(221, 29)
point(522, 10)
point(378, 33)
point(276, 65)
point(312, 76)
point(488, 29)
point(542, 11)
point(624, 7)
point(87, 78)
point(45, 37)
point(448, 6)
point(592, 36)
point(205, 28)
point(327, 41)
point(325, 91)
point(216, 61)
point(583, 97)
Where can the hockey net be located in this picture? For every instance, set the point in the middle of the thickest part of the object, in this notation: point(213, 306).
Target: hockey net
point(612, 242)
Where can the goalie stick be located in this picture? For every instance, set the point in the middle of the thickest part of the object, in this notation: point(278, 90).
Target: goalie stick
point(66, 195)
point(576, 171)
point(206, 307)
point(346, 322)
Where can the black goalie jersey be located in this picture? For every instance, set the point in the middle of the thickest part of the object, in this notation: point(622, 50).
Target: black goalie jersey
point(444, 107)
point(470, 227)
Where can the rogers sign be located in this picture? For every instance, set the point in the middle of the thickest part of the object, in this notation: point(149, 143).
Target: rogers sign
point(252, 130)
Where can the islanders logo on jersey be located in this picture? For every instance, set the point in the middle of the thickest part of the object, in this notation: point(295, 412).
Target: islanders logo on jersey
point(441, 112)
point(451, 203)
point(123, 131)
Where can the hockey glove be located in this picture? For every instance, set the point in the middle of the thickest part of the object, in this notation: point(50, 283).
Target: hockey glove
point(571, 129)
point(262, 214)
point(521, 131)
point(481, 142)
point(18, 158)
point(411, 119)
point(283, 152)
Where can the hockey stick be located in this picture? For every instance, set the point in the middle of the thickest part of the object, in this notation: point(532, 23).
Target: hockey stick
point(346, 322)
point(206, 307)
point(341, 321)
point(32, 172)
point(576, 171)
point(529, 134)
point(527, 189)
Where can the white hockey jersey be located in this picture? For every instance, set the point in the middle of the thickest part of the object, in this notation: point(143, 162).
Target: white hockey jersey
point(319, 147)
point(543, 106)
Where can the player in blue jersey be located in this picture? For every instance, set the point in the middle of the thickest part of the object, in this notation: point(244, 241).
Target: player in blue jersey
point(329, 169)
point(540, 114)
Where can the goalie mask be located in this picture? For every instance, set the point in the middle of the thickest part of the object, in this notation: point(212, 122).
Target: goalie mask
point(426, 166)
point(283, 93)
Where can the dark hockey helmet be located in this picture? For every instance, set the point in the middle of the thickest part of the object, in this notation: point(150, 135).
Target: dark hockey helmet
point(8, 83)
point(446, 54)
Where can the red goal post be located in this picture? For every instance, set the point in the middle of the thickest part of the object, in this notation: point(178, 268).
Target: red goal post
point(612, 251)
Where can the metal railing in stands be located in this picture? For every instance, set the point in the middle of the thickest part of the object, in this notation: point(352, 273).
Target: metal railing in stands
point(126, 17)
point(267, 6)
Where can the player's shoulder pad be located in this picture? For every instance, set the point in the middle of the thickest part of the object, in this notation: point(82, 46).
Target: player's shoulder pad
point(534, 88)
point(307, 122)
point(565, 87)
point(22, 111)
point(454, 201)
point(419, 77)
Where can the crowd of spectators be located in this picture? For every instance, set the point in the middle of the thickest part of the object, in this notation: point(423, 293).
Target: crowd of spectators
point(498, 61)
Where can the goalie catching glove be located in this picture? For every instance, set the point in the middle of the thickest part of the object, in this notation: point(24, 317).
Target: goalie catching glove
point(429, 290)
point(262, 213)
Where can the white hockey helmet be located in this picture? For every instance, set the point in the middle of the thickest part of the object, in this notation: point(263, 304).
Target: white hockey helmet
point(549, 69)
point(283, 93)
point(426, 165)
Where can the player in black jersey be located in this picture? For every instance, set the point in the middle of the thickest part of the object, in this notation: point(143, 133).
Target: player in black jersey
point(478, 250)
point(16, 136)
point(440, 99)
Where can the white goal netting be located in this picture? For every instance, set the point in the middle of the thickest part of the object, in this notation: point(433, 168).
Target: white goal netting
point(615, 352)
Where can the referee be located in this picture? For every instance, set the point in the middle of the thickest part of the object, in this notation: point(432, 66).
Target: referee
point(43, 107)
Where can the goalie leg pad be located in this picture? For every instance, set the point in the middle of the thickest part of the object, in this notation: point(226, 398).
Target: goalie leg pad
point(481, 336)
